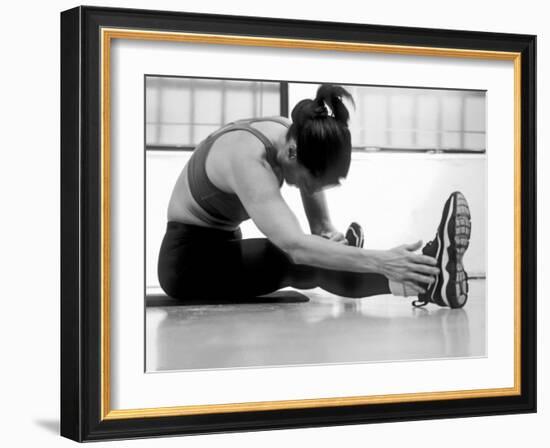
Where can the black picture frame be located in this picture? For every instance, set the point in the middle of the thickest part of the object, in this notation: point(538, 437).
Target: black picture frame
point(82, 408)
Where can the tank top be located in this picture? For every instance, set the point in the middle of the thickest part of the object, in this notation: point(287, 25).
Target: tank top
point(225, 208)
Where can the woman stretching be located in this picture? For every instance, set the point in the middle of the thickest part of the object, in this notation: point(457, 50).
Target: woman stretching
point(236, 173)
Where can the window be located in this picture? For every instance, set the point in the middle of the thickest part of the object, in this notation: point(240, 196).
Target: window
point(180, 112)
point(415, 120)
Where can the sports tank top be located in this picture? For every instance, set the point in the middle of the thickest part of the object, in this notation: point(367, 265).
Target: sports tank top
point(225, 208)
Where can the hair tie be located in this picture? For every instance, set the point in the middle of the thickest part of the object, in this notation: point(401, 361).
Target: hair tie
point(320, 112)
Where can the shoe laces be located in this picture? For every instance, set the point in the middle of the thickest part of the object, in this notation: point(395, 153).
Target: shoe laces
point(419, 303)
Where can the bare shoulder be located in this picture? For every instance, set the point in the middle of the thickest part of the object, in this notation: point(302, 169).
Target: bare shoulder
point(286, 120)
point(234, 154)
point(249, 152)
point(238, 143)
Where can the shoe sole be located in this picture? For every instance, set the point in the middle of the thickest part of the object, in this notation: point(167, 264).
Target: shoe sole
point(455, 239)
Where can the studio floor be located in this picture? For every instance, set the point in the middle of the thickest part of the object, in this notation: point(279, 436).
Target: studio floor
point(310, 327)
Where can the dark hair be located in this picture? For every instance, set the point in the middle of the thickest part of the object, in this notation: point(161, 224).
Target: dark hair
point(323, 140)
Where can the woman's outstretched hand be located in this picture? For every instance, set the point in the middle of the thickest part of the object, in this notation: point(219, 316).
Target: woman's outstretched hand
point(402, 264)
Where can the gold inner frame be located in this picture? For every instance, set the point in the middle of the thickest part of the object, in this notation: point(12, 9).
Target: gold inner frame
point(107, 35)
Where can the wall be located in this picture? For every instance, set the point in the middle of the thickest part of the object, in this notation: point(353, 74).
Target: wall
point(397, 198)
point(29, 244)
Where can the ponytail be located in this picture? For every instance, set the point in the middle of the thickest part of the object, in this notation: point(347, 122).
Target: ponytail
point(323, 139)
point(332, 96)
point(327, 94)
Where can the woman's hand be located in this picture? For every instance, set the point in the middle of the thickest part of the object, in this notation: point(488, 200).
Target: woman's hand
point(334, 235)
point(402, 265)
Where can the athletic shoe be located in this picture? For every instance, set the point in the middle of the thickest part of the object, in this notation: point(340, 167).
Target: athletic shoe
point(450, 288)
point(355, 235)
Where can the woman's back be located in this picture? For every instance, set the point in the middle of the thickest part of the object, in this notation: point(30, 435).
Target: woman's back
point(201, 195)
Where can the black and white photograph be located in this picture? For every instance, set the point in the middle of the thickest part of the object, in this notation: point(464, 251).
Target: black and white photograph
point(305, 223)
point(273, 223)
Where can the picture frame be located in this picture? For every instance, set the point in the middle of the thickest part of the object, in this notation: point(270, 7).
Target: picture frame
point(87, 34)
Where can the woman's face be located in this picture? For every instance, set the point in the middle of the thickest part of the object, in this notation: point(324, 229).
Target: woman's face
point(299, 176)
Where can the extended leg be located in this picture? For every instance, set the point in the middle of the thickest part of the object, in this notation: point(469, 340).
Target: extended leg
point(257, 266)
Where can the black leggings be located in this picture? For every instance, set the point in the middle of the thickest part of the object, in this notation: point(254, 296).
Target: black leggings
point(203, 263)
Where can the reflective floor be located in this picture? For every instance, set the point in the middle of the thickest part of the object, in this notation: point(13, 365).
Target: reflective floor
point(310, 327)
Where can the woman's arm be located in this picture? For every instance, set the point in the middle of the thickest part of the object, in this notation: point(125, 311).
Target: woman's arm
point(256, 185)
point(316, 208)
